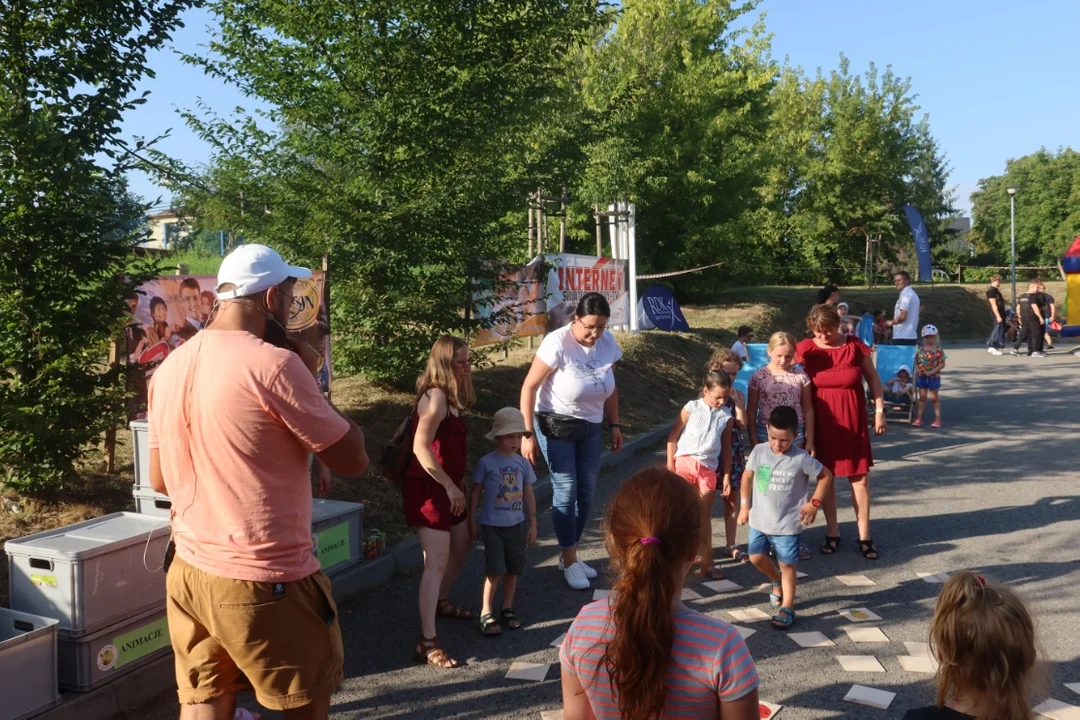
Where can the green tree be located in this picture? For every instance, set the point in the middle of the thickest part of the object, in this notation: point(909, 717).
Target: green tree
point(1047, 209)
point(67, 223)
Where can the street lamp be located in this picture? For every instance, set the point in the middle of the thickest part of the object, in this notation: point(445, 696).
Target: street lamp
point(1012, 221)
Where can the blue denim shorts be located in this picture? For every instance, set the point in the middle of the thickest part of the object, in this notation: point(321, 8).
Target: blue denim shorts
point(924, 382)
point(786, 546)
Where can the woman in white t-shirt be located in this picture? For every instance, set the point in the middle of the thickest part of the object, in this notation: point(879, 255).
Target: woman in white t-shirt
point(568, 392)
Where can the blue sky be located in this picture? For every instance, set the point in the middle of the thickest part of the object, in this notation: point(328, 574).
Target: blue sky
point(998, 79)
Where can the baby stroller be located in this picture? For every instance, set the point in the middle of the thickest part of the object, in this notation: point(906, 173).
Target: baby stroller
point(889, 359)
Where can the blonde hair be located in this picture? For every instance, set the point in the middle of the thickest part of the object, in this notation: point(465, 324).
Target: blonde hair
point(721, 357)
point(984, 638)
point(822, 317)
point(782, 339)
point(439, 373)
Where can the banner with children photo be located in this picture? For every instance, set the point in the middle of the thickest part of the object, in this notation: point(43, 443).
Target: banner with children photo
point(168, 311)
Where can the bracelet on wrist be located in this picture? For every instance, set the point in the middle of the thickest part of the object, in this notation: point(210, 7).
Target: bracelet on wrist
point(614, 425)
point(815, 502)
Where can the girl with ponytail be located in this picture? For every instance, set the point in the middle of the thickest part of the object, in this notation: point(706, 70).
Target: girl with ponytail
point(639, 653)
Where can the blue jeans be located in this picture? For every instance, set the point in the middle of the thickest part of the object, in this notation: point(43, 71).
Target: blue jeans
point(574, 463)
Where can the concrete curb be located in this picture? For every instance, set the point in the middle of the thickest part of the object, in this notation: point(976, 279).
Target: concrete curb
point(142, 685)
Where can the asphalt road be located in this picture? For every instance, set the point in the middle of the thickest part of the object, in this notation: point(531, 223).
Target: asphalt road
point(994, 491)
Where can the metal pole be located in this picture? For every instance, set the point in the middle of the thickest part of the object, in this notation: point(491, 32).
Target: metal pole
point(631, 241)
point(221, 242)
point(1012, 222)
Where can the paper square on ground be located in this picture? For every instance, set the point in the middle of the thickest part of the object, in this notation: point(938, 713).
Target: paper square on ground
point(557, 642)
point(934, 578)
point(918, 663)
point(551, 715)
point(600, 594)
point(744, 632)
point(799, 574)
point(918, 648)
point(1075, 687)
point(722, 586)
point(771, 709)
point(857, 615)
point(860, 663)
point(749, 615)
point(811, 639)
point(866, 634)
point(855, 580)
point(1057, 710)
point(689, 594)
point(536, 672)
point(870, 697)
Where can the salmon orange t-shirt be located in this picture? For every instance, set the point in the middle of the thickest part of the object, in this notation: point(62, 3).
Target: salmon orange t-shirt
point(234, 420)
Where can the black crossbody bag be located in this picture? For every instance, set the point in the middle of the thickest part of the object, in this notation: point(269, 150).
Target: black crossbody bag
point(560, 427)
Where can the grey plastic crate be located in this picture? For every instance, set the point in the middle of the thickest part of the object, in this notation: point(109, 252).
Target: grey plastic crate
point(140, 449)
point(337, 530)
point(90, 575)
point(27, 664)
point(84, 663)
point(148, 502)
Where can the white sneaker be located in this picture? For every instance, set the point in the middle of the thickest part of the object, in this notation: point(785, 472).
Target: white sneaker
point(575, 577)
point(1038, 354)
point(589, 572)
point(994, 351)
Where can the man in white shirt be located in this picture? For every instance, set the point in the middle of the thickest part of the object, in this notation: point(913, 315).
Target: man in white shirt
point(905, 322)
point(745, 334)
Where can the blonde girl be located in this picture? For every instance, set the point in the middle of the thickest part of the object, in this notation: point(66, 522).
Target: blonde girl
point(781, 383)
point(984, 639)
point(699, 445)
point(726, 360)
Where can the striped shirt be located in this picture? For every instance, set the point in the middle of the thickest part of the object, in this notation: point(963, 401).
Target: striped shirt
point(709, 663)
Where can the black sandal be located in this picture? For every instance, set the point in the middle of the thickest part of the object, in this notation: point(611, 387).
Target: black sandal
point(831, 545)
point(513, 622)
point(489, 624)
point(868, 549)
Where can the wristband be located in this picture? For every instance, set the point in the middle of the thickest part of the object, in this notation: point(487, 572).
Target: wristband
point(879, 410)
point(614, 425)
point(815, 502)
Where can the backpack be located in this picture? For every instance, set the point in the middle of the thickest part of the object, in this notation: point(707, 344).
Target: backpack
point(398, 453)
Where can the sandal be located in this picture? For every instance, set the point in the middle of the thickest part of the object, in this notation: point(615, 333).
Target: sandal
point(428, 652)
point(738, 555)
point(831, 545)
point(513, 622)
point(447, 609)
point(775, 599)
point(868, 549)
point(712, 573)
point(783, 619)
point(489, 624)
point(804, 553)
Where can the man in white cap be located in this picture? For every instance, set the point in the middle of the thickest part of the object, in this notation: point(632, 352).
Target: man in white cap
point(232, 422)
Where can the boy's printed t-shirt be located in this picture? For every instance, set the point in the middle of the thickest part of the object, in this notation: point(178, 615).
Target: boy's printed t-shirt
point(504, 479)
point(926, 359)
point(703, 436)
point(781, 488)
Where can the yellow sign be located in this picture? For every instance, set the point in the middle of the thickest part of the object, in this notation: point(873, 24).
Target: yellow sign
point(305, 304)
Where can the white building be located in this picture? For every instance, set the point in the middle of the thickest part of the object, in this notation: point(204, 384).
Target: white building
point(166, 228)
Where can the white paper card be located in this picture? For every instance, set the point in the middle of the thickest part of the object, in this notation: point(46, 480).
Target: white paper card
point(870, 697)
point(600, 594)
point(811, 640)
point(722, 586)
point(860, 663)
point(551, 715)
point(866, 634)
point(767, 710)
point(1075, 687)
point(934, 578)
point(536, 672)
point(1057, 710)
point(749, 615)
point(918, 663)
point(688, 594)
point(918, 648)
point(855, 580)
point(744, 632)
point(557, 642)
point(858, 615)
point(800, 574)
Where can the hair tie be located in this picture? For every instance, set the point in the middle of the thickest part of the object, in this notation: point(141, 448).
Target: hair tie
point(981, 580)
point(650, 540)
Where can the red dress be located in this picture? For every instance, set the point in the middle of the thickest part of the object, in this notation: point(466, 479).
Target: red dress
point(425, 501)
point(841, 436)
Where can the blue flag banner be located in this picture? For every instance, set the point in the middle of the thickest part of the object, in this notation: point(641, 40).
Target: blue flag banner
point(657, 309)
point(922, 242)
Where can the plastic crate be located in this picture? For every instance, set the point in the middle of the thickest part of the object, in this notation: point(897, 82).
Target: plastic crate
point(90, 575)
point(27, 664)
point(148, 502)
point(84, 663)
point(140, 449)
point(337, 529)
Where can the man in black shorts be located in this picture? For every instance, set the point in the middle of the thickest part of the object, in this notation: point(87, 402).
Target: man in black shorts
point(1031, 322)
point(996, 341)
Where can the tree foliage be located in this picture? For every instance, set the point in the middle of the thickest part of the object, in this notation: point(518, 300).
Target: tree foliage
point(67, 224)
point(1047, 209)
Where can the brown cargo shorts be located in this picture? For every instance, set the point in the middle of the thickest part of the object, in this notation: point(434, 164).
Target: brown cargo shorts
point(280, 640)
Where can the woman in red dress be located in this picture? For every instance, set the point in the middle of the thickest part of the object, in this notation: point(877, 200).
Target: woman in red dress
point(837, 365)
point(433, 488)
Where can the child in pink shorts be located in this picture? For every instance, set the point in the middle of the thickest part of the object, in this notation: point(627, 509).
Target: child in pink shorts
point(699, 449)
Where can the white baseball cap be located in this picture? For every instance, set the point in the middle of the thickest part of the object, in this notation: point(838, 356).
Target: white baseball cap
point(903, 368)
point(928, 330)
point(254, 269)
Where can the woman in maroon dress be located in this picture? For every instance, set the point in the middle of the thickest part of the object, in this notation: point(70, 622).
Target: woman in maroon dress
point(433, 488)
point(837, 365)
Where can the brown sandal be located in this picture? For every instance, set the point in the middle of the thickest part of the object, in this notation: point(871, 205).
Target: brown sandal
point(428, 652)
point(445, 608)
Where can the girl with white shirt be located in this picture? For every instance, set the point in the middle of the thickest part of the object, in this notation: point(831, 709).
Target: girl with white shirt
point(568, 392)
point(699, 445)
